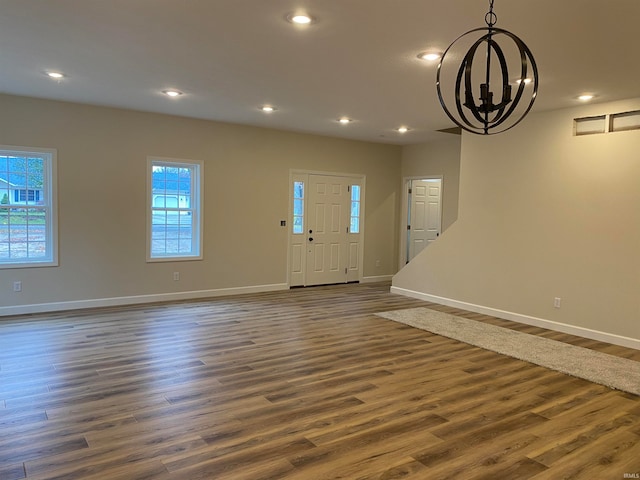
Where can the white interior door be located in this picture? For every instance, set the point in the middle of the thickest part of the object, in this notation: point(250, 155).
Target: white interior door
point(328, 205)
point(424, 215)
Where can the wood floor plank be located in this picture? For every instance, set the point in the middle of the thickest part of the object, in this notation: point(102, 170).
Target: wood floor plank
point(112, 457)
point(364, 446)
point(610, 456)
point(578, 428)
point(580, 440)
point(213, 464)
point(505, 450)
point(303, 384)
point(409, 468)
point(12, 472)
point(25, 450)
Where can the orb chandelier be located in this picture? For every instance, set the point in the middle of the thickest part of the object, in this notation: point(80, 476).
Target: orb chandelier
point(487, 78)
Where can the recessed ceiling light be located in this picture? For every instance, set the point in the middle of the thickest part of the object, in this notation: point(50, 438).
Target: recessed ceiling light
point(268, 108)
point(585, 97)
point(403, 129)
point(344, 120)
point(429, 56)
point(56, 75)
point(172, 93)
point(300, 18)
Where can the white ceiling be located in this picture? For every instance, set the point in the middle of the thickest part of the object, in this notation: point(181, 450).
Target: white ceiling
point(358, 59)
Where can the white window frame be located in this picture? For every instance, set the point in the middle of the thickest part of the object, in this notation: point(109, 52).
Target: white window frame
point(351, 203)
point(303, 200)
point(49, 205)
point(196, 202)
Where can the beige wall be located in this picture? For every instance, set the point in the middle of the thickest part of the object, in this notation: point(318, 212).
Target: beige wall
point(102, 155)
point(544, 214)
point(437, 158)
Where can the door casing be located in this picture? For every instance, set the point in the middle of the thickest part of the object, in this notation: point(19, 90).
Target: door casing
point(298, 244)
point(406, 184)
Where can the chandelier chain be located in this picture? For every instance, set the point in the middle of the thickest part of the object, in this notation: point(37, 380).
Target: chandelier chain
point(491, 18)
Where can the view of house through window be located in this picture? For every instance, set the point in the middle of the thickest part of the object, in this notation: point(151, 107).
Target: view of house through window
point(175, 225)
point(298, 207)
point(354, 226)
point(27, 209)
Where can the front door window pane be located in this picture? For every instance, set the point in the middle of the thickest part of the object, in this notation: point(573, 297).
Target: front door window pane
point(354, 226)
point(298, 207)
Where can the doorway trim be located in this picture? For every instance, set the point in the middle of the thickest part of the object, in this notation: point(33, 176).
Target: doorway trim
point(296, 175)
point(404, 222)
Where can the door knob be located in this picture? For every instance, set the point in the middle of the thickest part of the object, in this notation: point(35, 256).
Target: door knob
point(311, 239)
point(310, 231)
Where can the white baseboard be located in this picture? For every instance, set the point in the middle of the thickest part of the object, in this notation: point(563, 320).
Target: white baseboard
point(379, 278)
point(136, 299)
point(526, 319)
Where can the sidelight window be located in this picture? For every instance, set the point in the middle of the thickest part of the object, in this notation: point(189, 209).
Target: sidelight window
point(354, 226)
point(298, 207)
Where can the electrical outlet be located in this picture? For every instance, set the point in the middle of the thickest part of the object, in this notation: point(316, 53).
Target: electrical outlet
point(17, 286)
point(176, 276)
point(556, 302)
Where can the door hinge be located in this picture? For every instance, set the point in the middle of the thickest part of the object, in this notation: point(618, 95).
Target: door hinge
point(408, 227)
point(409, 191)
point(345, 270)
point(347, 229)
point(348, 188)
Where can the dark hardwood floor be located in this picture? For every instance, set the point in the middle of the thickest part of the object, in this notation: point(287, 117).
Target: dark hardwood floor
point(303, 384)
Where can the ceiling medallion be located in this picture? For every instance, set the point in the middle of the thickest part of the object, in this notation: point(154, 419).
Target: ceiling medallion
point(491, 70)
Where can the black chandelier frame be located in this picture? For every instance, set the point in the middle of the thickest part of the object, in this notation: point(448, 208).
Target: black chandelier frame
point(488, 118)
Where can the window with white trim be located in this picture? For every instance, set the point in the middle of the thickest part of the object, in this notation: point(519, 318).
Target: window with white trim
point(28, 218)
point(175, 217)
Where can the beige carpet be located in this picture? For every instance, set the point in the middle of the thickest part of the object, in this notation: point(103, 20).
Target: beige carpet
point(614, 372)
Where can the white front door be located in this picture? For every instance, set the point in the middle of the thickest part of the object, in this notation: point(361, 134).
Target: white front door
point(327, 240)
point(424, 214)
point(325, 237)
